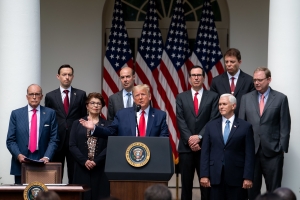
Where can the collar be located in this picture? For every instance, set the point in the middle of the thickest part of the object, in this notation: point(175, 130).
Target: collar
point(200, 92)
point(235, 76)
point(146, 110)
point(231, 119)
point(30, 108)
point(125, 93)
point(266, 93)
point(62, 89)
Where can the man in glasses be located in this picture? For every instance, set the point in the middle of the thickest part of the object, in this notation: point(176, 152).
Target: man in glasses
point(268, 112)
point(32, 132)
point(69, 104)
point(233, 80)
point(194, 108)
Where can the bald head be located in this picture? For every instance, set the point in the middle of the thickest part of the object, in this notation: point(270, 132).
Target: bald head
point(285, 193)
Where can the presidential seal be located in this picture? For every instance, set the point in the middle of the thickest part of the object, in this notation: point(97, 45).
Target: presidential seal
point(137, 154)
point(32, 190)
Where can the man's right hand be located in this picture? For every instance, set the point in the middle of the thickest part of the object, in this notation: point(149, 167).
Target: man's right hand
point(205, 182)
point(21, 158)
point(87, 124)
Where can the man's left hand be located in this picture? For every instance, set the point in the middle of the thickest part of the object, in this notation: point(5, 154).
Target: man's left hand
point(193, 140)
point(45, 160)
point(247, 184)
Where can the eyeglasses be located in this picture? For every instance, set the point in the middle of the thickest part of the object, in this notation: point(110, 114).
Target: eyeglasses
point(95, 103)
point(258, 80)
point(34, 94)
point(196, 75)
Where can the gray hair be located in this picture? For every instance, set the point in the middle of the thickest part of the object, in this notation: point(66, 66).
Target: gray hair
point(231, 98)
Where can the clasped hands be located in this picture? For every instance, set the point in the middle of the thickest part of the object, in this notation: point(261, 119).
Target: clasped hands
point(194, 143)
point(205, 182)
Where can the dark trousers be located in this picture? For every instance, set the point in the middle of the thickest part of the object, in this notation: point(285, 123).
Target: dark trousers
point(270, 168)
point(17, 179)
point(223, 191)
point(63, 154)
point(188, 163)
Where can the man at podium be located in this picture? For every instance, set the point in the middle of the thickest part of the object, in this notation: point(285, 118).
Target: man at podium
point(141, 120)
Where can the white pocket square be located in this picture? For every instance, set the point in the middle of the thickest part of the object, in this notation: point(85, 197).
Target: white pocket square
point(46, 125)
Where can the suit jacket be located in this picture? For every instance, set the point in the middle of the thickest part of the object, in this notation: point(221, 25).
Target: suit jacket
point(244, 85)
point(18, 136)
point(237, 155)
point(115, 103)
point(188, 122)
point(272, 129)
point(124, 124)
point(77, 109)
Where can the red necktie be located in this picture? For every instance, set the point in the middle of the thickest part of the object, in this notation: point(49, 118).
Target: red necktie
point(232, 86)
point(261, 104)
point(33, 132)
point(142, 125)
point(66, 101)
point(196, 107)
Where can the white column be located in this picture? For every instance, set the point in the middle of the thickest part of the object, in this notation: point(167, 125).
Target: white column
point(19, 64)
point(283, 61)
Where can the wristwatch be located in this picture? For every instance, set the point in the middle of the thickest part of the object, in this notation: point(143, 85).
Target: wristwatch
point(200, 137)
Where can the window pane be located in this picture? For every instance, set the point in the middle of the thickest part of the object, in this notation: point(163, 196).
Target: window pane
point(129, 13)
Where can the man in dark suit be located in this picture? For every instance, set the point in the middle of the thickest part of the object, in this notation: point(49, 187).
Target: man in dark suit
point(227, 157)
point(32, 132)
point(234, 81)
point(69, 104)
point(268, 112)
point(123, 98)
point(194, 108)
point(151, 122)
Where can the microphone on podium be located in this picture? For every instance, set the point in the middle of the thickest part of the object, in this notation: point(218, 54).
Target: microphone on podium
point(137, 109)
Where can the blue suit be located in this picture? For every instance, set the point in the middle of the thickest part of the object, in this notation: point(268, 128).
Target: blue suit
point(18, 136)
point(124, 124)
point(230, 163)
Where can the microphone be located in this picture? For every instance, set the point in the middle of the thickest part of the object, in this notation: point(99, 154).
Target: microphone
point(137, 109)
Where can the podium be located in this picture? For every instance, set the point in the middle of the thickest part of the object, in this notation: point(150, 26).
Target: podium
point(128, 179)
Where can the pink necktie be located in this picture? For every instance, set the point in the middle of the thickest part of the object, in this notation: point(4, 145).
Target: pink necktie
point(261, 104)
point(66, 101)
point(196, 107)
point(232, 86)
point(33, 132)
point(142, 125)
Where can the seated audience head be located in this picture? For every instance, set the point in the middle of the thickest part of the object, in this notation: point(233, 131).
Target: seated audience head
point(268, 196)
point(142, 95)
point(47, 195)
point(285, 193)
point(157, 192)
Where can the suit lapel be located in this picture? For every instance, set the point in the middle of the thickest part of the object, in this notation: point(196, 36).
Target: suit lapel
point(133, 122)
point(220, 131)
point(225, 82)
point(255, 102)
point(271, 98)
point(24, 115)
point(42, 121)
point(120, 99)
point(190, 101)
point(234, 127)
point(72, 99)
point(59, 101)
point(150, 121)
point(239, 83)
point(203, 101)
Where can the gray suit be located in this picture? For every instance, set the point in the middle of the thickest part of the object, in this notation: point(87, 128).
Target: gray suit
point(271, 136)
point(115, 103)
point(190, 124)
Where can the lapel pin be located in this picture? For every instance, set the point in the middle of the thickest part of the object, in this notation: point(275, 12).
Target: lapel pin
point(234, 126)
point(74, 93)
point(44, 113)
point(152, 115)
point(102, 124)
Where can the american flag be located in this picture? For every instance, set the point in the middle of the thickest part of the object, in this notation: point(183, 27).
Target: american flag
point(173, 72)
point(118, 54)
point(149, 54)
point(207, 52)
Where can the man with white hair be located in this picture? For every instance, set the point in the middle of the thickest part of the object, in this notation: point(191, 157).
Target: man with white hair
point(227, 157)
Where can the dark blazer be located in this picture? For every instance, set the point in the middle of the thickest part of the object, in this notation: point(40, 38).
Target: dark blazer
point(95, 178)
point(77, 109)
point(124, 124)
point(237, 155)
point(115, 103)
point(188, 122)
point(244, 85)
point(272, 129)
point(18, 136)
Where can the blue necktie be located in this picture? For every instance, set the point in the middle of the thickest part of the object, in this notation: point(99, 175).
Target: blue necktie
point(128, 100)
point(226, 131)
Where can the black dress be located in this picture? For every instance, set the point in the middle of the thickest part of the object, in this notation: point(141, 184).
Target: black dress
point(95, 178)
